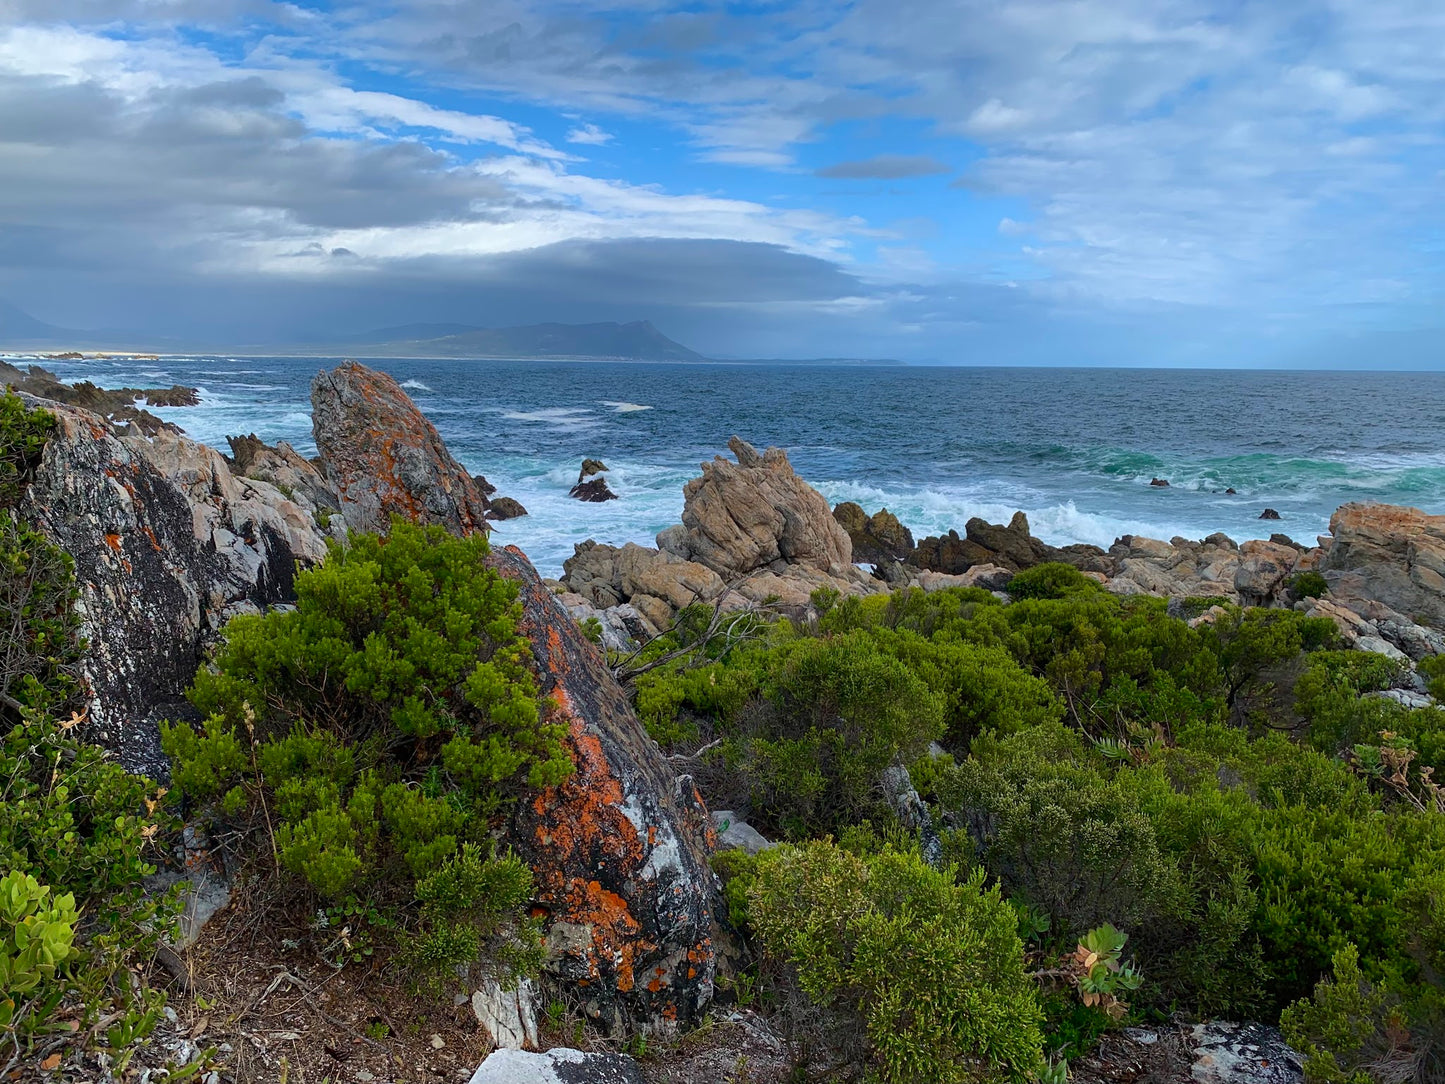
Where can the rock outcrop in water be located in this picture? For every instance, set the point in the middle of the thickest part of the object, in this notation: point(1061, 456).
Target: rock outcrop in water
point(1012, 547)
point(876, 539)
point(385, 458)
point(752, 534)
point(116, 405)
point(591, 487)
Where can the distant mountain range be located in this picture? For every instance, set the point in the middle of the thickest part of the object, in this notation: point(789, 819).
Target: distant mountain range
point(636, 341)
point(21, 329)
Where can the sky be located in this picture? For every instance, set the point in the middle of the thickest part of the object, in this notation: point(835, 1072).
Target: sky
point(1131, 182)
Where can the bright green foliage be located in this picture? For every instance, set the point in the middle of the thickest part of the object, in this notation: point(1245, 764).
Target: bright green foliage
point(1308, 585)
point(913, 975)
point(834, 713)
point(1050, 580)
point(1349, 1027)
point(71, 818)
point(23, 434)
point(385, 723)
point(37, 937)
point(39, 651)
point(409, 640)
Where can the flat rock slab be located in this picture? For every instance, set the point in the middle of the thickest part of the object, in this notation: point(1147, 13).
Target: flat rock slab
point(1244, 1054)
point(560, 1066)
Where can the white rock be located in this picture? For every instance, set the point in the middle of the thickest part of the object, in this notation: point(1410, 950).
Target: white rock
point(510, 1016)
point(560, 1066)
point(734, 833)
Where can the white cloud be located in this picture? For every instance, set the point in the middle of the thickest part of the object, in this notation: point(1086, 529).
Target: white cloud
point(589, 134)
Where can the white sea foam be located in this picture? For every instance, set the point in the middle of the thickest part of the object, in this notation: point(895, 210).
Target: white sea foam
point(415, 385)
point(624, 408)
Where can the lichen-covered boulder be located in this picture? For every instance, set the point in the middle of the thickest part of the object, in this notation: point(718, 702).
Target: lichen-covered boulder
point(756, 513)
point(168, 544)
point(620, 850)
point(385, 458)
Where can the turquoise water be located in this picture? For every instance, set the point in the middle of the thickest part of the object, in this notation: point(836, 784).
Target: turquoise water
point(1074, 448)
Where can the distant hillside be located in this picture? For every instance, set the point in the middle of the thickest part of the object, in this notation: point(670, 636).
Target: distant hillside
point(637, 341)
point(21, 329)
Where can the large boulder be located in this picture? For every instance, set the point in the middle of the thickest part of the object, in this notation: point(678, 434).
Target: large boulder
point(1012, 547)
point(877, 538)
point(384, 458)
point(620, 850)
point(1388, 556)
point(169, 543)
point(754, 514)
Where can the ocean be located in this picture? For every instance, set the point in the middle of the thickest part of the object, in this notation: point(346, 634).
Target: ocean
point(1075, 449)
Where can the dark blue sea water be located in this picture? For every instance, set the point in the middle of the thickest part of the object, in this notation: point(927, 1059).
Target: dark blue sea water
point(1074, 448)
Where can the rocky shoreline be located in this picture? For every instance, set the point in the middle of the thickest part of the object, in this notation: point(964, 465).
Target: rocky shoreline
point(171, 538)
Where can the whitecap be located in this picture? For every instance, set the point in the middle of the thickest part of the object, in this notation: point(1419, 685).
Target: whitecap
point(415, 385)
point(624, 407)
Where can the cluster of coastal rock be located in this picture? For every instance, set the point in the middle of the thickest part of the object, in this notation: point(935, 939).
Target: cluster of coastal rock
point(755, 534)
point(171, 538)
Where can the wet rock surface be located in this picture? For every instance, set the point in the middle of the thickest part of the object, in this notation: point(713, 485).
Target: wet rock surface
point(590, 487)
point(116, 405)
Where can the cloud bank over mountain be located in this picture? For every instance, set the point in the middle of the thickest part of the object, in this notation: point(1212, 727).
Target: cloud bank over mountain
point(1035, 181)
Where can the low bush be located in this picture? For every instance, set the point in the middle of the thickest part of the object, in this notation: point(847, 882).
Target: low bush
point(906, 974)
point(381, 728)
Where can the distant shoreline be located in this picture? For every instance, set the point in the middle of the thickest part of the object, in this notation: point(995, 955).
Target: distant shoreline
point(51, 354)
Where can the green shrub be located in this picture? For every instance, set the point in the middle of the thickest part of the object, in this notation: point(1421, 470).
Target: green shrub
point(78, 825)
point(833, 714)
point(23, 433)
point(1050, 580)
point(907, 974)
point(1058, 833)
point(1308, 585)
point(37, 938)
point(1350, 1030)
point(385, 723)
point(1434, 670)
